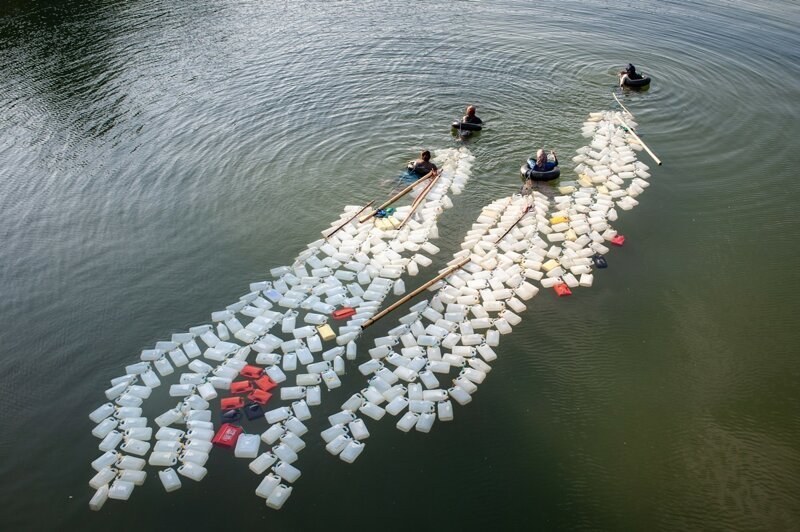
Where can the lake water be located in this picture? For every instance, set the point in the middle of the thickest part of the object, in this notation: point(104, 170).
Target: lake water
point(156, 157)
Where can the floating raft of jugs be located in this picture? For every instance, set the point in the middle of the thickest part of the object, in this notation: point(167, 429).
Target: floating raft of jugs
point(281, 323)
point(517, 245)
point(442, 349)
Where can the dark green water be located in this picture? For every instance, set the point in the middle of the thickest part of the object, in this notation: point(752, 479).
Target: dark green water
point(156, 158)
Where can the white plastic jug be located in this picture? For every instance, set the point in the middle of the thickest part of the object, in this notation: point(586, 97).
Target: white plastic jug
point(268, 485)
point(279, 496)
point(99, 498)
point(445, 410)
point(459, 395)
point(338, 444)
point(105, 460)
point(372, 410)
point(396, 405)
point(293, 441)
point(263, 462)
point(102, 412)
point(406, 422)
point(120, 490)
point(352, 451)
point(193, 471)
point(130, 462)
point(169, 479)
point(283, 452)
point(287, 471)
point(425, 422)
point(247, 446)
point(277, 414)
point(313, 398)
point(104, 476)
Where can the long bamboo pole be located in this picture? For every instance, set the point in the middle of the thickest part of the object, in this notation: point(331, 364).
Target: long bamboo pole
point(410, 295)
point(397, 196)
point(362, 209)
point(448, 271)
point(620, 104)
point(635, 136)
point(418, 201)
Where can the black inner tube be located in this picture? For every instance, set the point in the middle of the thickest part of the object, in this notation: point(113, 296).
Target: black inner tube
point(636, 82)
point(467, 126)
point(417, 171)
point(533, 175)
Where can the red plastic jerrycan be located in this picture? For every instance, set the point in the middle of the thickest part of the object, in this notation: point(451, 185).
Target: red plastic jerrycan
point(241, 387)
point(251, 372)
point(342, 313)
point(618, 240)
point(264, 383)
point(562, 289)
point(231, 403)
point(227, 435)
point(259, 396)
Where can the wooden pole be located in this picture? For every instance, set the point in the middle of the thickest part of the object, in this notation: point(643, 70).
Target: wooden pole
point(635, 136)
point(448, 271)
point(396, 196)
point(620, 104)
point(405, 298)
point(526, 211)
point(362, 209)
point(419, 200)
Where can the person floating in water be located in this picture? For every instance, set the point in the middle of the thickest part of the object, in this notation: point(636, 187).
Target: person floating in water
point(423, 165)
point(541, 164)
point(470, 117)
point(628, 74)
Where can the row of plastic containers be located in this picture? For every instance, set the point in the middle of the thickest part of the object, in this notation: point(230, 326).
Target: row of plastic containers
point(316, 283)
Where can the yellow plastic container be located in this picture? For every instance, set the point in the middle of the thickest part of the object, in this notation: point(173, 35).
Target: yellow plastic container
point(558, 220)
point(549, 265)
point(326, 332)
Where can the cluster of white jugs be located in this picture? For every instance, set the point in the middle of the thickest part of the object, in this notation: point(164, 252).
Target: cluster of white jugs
point(453, 332)
point(438, 353)
point(609, 163)
point(514, 242)
point(358, 267)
